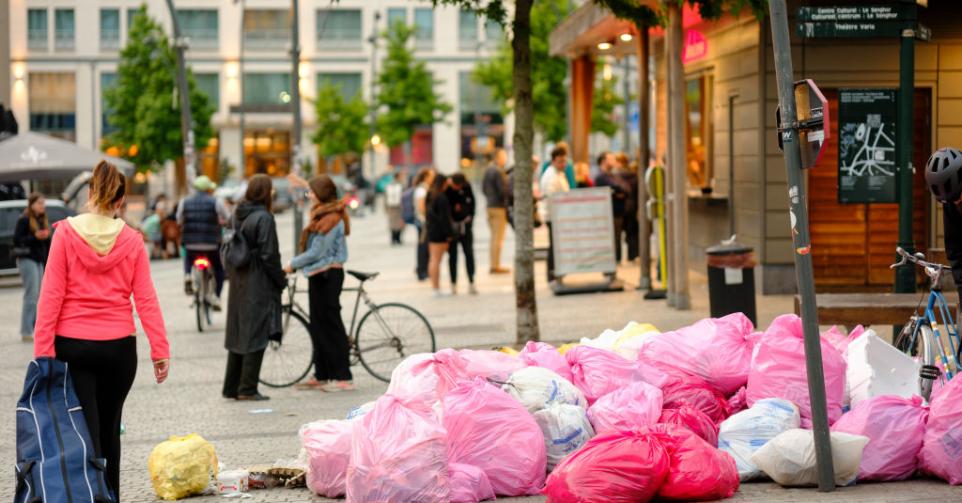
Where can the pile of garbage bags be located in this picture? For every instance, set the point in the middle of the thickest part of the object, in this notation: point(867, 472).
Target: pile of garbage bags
point(636, 415)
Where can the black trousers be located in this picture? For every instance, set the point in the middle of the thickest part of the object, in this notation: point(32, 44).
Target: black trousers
point(215, 265)
point(422, 252)
point(550, 253)
point(102, 373)
point(466, 242)
point(632, 229)
point(331, 348)
point(243, 373)
point(619, 224)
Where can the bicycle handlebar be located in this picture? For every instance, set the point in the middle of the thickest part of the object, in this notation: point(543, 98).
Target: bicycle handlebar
point(918, 259)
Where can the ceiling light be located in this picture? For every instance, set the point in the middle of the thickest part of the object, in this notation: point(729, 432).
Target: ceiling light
point(626, 37)
point(604, 46)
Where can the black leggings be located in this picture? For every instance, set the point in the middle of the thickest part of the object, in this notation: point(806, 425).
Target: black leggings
point(466, 242)
point(102, 373)
point(331, 348)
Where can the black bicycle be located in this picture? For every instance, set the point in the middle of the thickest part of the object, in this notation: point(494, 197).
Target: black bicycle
point(385, 335)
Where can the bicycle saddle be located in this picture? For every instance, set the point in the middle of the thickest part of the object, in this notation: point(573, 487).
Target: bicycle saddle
point(363, 276)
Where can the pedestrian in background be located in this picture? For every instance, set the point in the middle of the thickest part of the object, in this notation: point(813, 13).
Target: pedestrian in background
point(422, 182)
point(632, 229)
point(439, 228)
point(254, 301)
point(31, 243)
point(495, 188)
point(461, 198)
point(607, 177)
point(202, 217)
point(392, 203)
point(85, 316)
point(553, 181)
point(323, 248)
point(569, 170)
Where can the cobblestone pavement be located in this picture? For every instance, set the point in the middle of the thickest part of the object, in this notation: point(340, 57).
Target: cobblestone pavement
point(190, 401)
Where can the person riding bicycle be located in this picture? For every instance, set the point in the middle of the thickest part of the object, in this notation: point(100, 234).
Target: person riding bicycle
point(942, 173)
point(201, 217)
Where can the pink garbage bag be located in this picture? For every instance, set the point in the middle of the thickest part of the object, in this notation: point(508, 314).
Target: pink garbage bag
point(633, 406)
point(696, 393)
point(597, 372)
point(489, 364)
point(697, 470)
point(468, 484)
point(494, 432)
point(695, 420)
point(398, 453)
point(895, 427)
point(328, 447)
point(540, 354)
point(739, 401)
point(619, 467)
point(839, 340)
point(941, 453)
point(778, 370)
point(427, 377)
point(718, 350)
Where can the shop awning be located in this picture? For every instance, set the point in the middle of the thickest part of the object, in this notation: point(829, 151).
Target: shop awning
point(34, 156)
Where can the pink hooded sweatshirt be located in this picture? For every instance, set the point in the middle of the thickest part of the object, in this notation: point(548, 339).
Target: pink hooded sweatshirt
point(94, 266)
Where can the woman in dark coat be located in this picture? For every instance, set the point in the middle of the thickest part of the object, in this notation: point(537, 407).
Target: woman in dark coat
point(440, 228)
point(31, 241)
point(254, 302)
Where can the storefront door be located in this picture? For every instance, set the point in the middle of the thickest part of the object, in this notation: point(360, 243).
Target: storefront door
point(267, 151)
point(853, 244)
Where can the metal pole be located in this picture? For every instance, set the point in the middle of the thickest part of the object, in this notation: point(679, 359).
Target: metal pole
point(296, 102)
point(678, 161)
point(644, 154)
point(626, 133)
point(186, 129)
point(372, 103)
point(905, 275)
point(731, 164)
point(242, 165)
point(803, 259)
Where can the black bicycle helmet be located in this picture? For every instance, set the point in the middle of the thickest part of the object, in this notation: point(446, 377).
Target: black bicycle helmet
point(943, 174)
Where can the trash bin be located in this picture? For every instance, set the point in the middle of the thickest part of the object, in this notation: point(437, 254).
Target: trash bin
point(731, 280)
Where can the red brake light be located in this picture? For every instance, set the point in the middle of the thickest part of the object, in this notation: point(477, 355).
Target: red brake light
point(201, 263)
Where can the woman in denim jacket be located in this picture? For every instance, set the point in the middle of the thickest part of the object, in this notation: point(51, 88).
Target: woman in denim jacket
point(323, 250)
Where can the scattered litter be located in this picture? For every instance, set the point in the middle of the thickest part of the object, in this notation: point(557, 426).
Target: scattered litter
point(261, 411)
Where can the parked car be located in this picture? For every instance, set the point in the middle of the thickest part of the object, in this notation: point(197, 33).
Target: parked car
point(10, 211)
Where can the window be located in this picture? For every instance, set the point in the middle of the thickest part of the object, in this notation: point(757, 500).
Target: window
point(698, 130)
point(109, 29)
point(339, 29)
point(397, 14)
point(131, 15)
point(107, 81)
point(200, 25)
point(209, 84)
point(37, 29)
point(424, 23)
point(53, 104)
point(64, 25)
point(267, 88)
point(493, 34)
point(467, 30)
point(267, 29)
point(482, 126)
point(348, 83)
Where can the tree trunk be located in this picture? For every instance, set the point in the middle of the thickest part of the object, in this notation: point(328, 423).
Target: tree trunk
point(525, 300)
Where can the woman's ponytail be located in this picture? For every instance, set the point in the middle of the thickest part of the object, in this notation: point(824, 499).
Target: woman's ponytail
point(107, 187)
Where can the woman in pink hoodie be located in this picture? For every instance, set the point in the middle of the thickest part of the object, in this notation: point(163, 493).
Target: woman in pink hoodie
point(85, 317)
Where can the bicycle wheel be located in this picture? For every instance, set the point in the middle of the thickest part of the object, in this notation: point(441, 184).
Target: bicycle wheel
point(288, 360)
point(390, 333)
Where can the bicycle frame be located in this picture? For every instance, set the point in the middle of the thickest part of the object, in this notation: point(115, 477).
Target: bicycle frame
point(929, 318)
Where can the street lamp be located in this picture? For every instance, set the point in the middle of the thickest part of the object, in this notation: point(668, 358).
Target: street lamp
point(371, 105)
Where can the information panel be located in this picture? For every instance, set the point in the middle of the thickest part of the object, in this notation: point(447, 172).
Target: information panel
point(583, 231)
point(867, 146)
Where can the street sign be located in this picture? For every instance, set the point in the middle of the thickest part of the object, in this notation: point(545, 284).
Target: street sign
point(866, 21)
point(582, 230)
point(867, 162)
point(850, 14)
point(814, 125)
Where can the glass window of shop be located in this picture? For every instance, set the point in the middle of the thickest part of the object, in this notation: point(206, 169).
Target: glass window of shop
point(268, 29)
point(482, 125)
point(200, 25)
point(37, 37)
point(424, 23)
point(267, 151)
point(109, 29)
point(348, 83)
point(53, 104)
point(698, 92)
point(339, 29)
point(267, 88)
point(209, 84)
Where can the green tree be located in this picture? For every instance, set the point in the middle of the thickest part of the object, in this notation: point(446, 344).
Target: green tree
point(406, 91)
point(603, 102)
point(342, 126)
point(142, 105)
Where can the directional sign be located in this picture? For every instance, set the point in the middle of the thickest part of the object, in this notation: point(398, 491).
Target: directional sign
point(850, 14)
point(866, 21)
point(814, 125)
point(866, 146)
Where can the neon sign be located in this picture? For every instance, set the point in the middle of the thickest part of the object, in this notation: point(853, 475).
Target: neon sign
point(696, 47)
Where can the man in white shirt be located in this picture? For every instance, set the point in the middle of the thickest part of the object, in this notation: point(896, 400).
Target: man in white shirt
point(553, 181)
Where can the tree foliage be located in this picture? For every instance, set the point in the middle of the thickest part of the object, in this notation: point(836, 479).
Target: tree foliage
point(604, 100)
point(342, 126)
point(143, 105)
point(632, 10)
point(406, 90)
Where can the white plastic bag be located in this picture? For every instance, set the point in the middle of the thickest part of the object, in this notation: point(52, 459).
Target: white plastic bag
point(626, 342)
point(789, 459)
point(565, 427)
point(537, 387)
point(747, 431)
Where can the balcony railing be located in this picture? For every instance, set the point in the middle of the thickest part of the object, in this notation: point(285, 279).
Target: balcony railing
point(37, 40)
point(203, 38)
point(424, 44)
point(109, 39)
point(64, 40)
point(468, 44)
point(340, 41)
point(268, 39)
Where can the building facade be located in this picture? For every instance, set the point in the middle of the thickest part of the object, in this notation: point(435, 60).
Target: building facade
point(64, 54)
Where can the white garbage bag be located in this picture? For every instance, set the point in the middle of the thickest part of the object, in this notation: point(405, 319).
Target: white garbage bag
point(626, 342)
point(747, 431)
point(789, 458)
point(566, 428)
point(537, 387)
point(876, 368)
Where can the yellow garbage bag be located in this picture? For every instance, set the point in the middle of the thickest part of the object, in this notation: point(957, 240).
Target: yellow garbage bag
point(629, 343)
point(565, 347)
point(508, 350)
point(182, 467)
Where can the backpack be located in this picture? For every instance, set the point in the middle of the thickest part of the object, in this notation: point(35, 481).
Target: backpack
point(55, 456)
point(235, 252)
point(407, 206)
